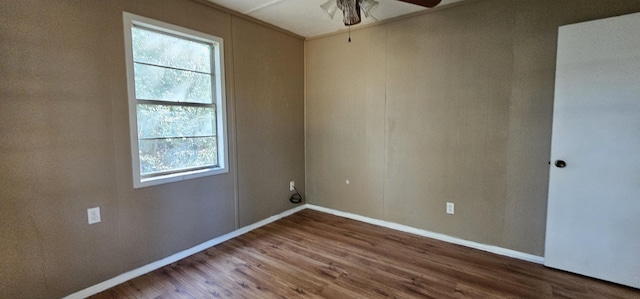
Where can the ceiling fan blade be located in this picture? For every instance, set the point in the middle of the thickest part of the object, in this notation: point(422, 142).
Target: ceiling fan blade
point(425, 3)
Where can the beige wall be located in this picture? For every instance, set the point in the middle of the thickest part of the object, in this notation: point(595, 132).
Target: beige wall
point(64, 143)
point(269, 72)
point(452, 105)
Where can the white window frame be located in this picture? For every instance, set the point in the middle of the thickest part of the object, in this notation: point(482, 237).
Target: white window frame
point(129, 20)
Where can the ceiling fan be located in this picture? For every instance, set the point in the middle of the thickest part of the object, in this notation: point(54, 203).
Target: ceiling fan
point(351, 8)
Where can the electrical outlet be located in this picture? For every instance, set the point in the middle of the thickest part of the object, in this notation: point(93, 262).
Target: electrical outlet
point(292, 186)
point(94, 215)
point(450, 208)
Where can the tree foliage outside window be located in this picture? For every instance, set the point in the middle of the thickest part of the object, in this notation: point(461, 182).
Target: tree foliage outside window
point(176, 113)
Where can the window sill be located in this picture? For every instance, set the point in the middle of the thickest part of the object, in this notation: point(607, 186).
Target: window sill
point(177, 177)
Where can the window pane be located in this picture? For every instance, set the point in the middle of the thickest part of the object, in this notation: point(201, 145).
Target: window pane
point(158, 83)
point(162, 155)
point(166, 50)
point(161, 121)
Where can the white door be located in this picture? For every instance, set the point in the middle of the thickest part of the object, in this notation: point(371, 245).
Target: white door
point(593, 218)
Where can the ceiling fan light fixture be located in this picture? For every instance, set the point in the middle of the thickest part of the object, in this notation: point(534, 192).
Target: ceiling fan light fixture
point(368, 6)
point(330, 7)
point(350, 11)
point(351, 8)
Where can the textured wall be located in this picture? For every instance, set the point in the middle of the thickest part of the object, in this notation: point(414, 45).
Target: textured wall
point(64, 143)
point(269, 85)
point(345, 122)
point(452, 105)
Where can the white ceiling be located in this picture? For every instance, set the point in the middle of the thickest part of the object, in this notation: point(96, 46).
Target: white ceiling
point(306, 18)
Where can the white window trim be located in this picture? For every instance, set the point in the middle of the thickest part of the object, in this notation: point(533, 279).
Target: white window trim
point(220, 101)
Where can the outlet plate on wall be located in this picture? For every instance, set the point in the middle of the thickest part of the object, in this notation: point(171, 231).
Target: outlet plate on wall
point(450, 208)
point(93, 215)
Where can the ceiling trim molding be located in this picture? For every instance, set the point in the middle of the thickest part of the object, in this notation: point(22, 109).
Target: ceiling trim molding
point(248, 18)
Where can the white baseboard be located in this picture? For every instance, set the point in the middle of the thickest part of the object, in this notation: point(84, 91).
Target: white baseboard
point(92, 290)
point(442, 237)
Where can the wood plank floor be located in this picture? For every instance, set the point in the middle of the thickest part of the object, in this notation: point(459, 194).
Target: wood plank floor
point(315, 255)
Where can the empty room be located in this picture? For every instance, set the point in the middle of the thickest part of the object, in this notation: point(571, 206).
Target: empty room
point(319, 149)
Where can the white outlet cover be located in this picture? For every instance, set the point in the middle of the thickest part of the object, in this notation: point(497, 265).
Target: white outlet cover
point(93, 215)
point(292, 185)
point(450, 208)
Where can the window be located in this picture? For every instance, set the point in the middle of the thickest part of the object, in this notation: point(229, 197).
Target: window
point(176, 102)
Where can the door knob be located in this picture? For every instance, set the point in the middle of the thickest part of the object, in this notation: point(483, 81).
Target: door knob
point(560, 163)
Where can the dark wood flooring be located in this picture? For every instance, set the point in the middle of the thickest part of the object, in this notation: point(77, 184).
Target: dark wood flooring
point(315, 255)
